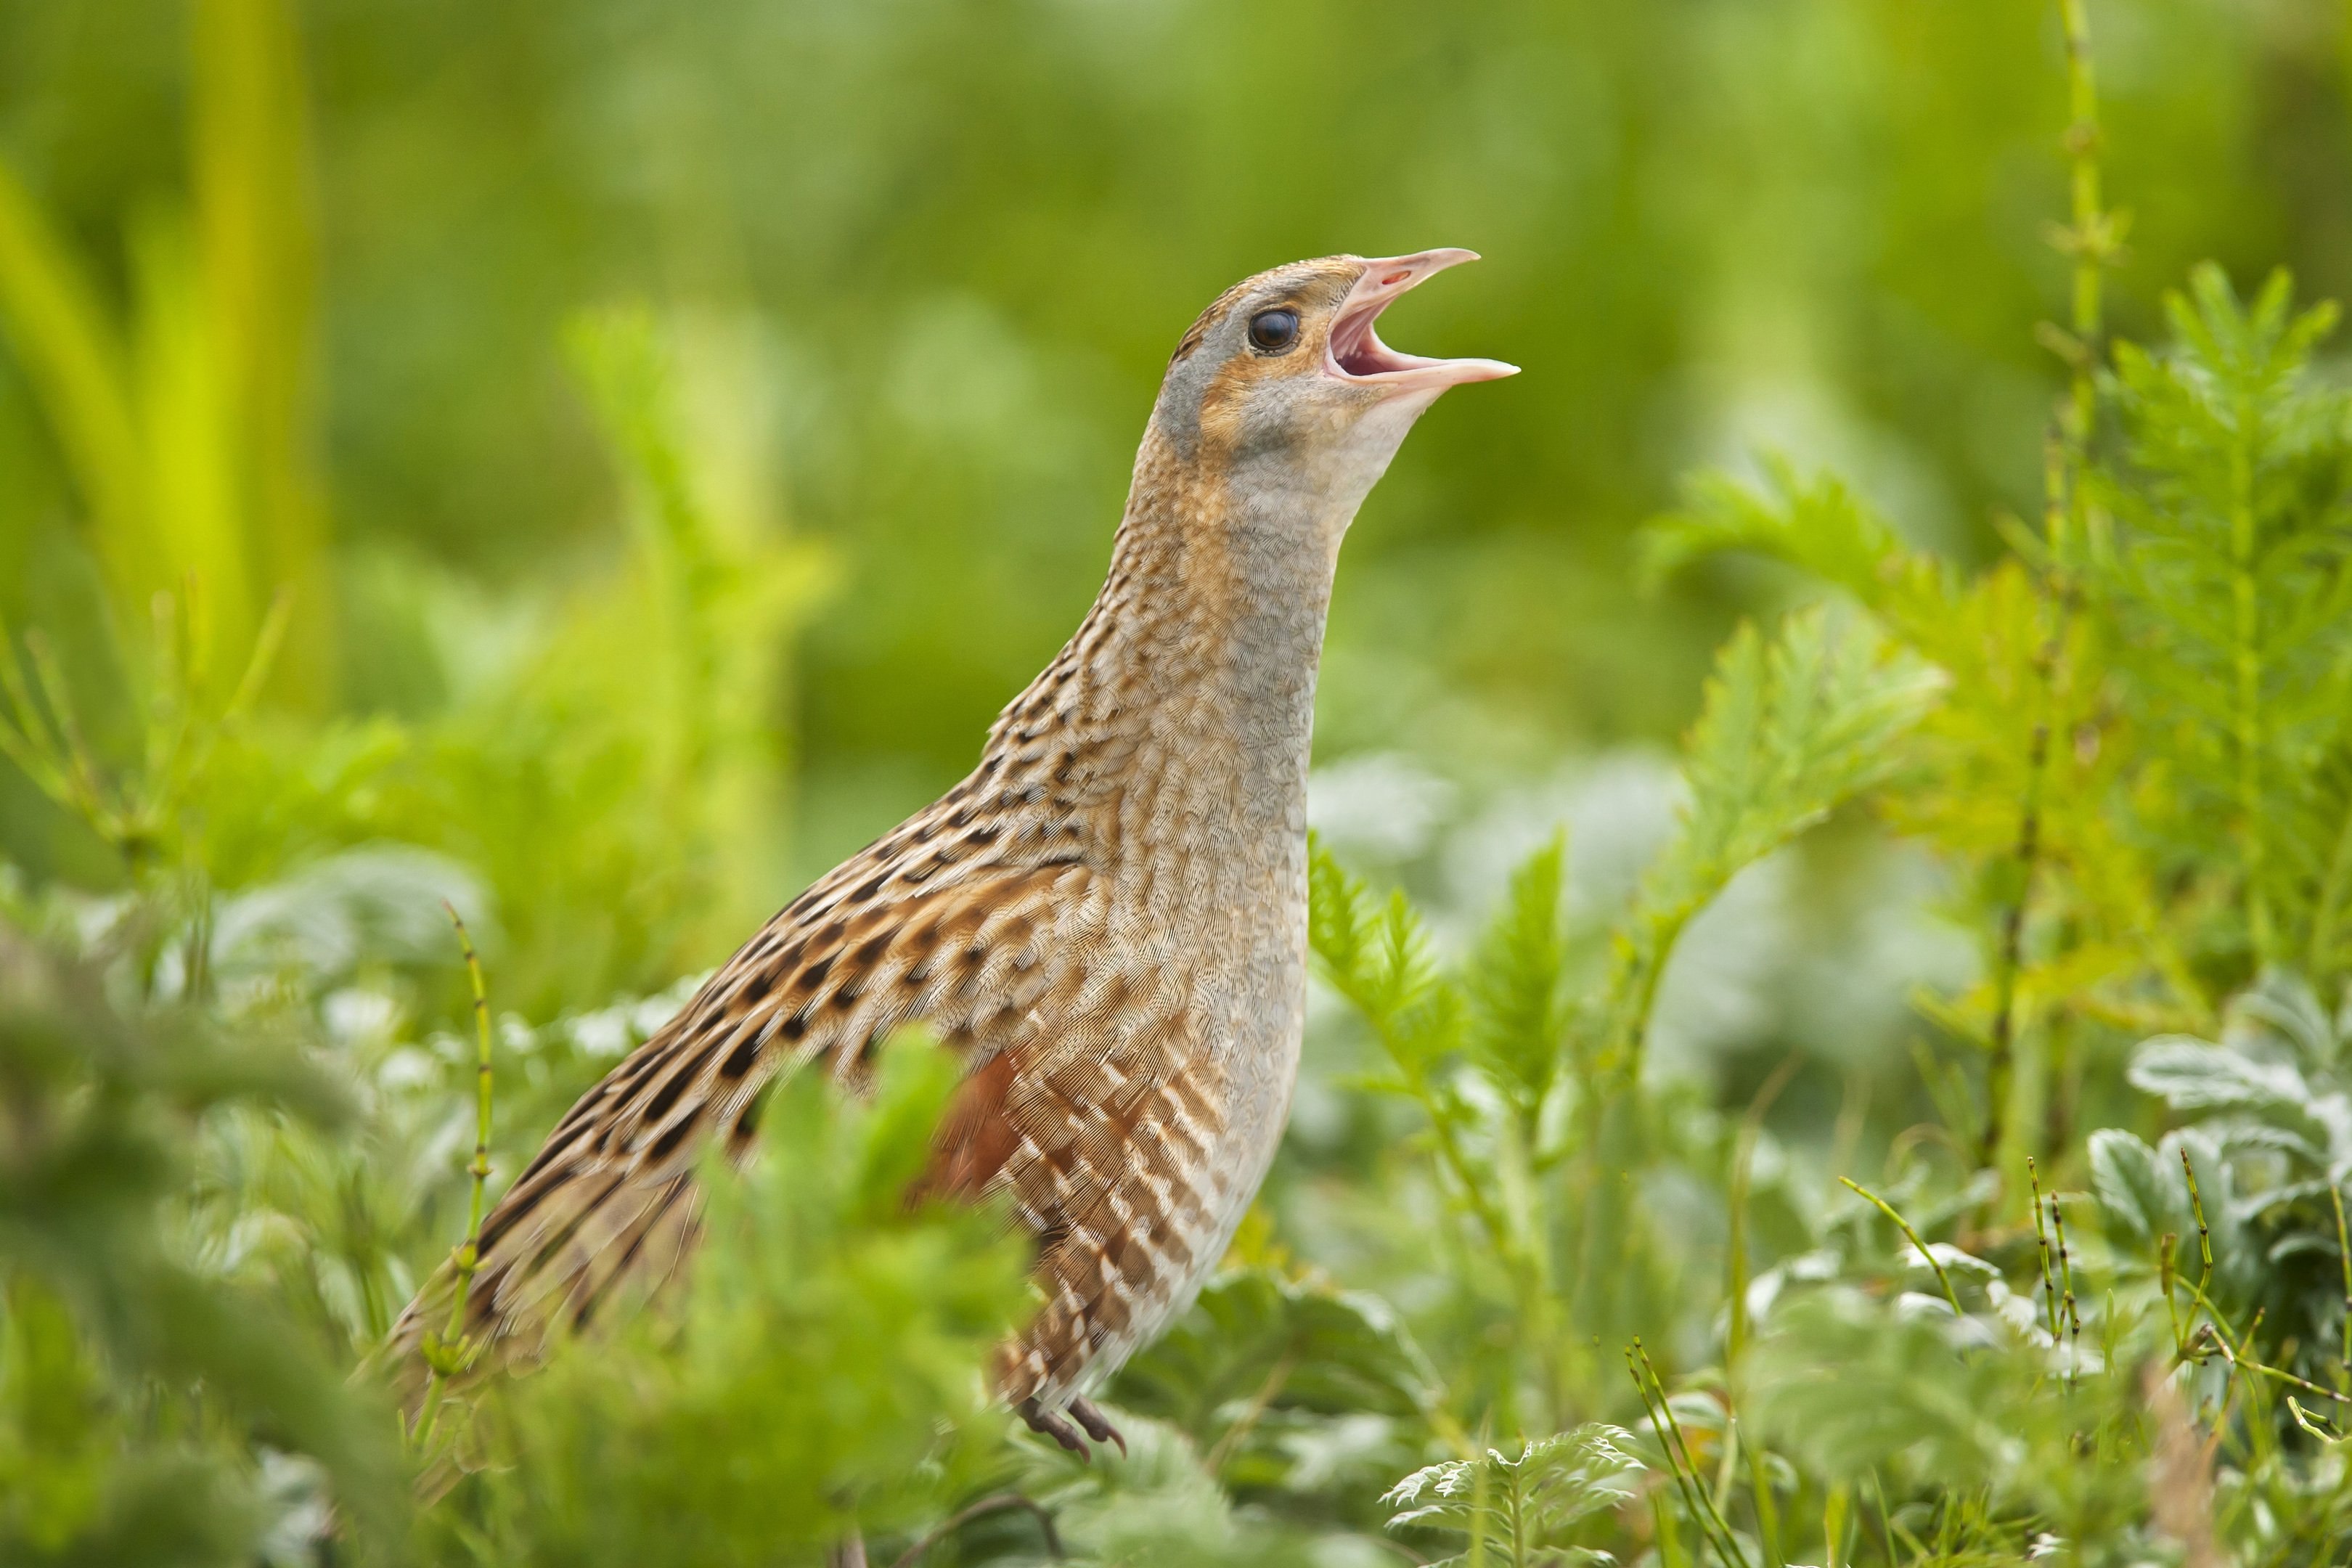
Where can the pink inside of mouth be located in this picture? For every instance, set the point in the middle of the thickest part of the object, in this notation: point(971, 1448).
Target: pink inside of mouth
point(1356, 349)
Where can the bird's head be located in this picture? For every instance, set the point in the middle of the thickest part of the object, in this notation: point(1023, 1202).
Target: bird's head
point(1285, 375)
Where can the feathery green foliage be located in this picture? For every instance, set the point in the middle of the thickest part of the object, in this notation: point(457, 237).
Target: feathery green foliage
point(2232, 535)
point(1516, 1015)
point(140, 1396)
point(1814, 522)
point(845, 1328)
point(1517, 1509)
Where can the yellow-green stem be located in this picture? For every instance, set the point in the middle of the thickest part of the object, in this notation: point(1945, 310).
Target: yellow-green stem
point(2344, 1258)
point(2204, 1232)
point(2066, 1278)
point(1905, 1226)
point(467, 1258)
point(2091, 246)
point(2041, 1244)
point(2246, 666)
point(1678, 1454)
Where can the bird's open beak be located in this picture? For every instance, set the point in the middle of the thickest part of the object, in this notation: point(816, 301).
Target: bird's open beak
point(1355, 352)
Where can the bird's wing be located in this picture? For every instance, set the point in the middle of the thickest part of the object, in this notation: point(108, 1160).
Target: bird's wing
point(1100, 1129)
point(966, 930)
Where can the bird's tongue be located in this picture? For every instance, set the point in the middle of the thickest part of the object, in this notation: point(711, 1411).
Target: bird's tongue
point(1358, 354)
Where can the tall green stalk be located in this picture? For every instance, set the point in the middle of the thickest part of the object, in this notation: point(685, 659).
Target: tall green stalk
point(2070, 525)
point(449, 1356)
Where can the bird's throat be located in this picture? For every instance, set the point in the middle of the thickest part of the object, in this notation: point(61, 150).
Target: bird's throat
point(1193, 678)
point(1211, 622)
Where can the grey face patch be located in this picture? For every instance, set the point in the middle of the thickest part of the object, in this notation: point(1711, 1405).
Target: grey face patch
point(1177, 413)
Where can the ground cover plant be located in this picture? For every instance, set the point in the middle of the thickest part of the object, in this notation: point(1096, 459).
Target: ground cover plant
point(2066, 1281)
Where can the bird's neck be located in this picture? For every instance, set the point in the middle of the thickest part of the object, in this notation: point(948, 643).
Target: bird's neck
point(1194, 676)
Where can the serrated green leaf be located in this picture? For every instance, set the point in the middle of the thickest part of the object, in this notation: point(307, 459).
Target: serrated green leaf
point(1790, 729)
point(1514, 984)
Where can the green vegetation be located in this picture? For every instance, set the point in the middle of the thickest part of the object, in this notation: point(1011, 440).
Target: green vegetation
point(1908, 1127)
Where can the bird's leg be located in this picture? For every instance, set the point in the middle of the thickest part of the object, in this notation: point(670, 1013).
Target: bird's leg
point(1055, 1425)
point(1098, 1428)
point(849, 1553)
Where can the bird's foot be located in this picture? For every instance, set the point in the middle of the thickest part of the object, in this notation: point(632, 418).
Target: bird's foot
point(1055, 1424)
point(1084, 1412)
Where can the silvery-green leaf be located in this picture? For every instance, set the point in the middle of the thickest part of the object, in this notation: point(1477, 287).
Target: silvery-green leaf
point(2190, 1074)
point(2140, 1200)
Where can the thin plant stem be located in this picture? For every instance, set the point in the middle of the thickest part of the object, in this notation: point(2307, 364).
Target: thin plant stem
point(1886, 1515)
point(2344, 1257)
point(1751, 1127)
point(2204, 1232)
point(2305, 1419)
point(1381, 1012)
point(467, 1257)
point(266, 644)
point(1524, 1268)
point(2092, 240)
point(1663, 935)
point(1767, 1507)
point(1213, 1461)
point(2000, 1066)
point(2237, 1357)
point(2066, 1278)
point(51, 676)
point(1657, 1417)
point(2042, 1246)
point(2246, 666)
point(1905, 1226)
point(1707, 1511)
point(1520, 1261)
point(26, 737)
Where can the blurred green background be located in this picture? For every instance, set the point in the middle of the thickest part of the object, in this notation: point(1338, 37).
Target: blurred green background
point(912, 270)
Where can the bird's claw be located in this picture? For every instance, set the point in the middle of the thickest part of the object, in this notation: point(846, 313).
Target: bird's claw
point(1052, 1424)
point(1055, 1424)
point(1098, 1428)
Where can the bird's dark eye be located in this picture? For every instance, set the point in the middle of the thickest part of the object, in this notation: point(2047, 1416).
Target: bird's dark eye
point(1273, 330)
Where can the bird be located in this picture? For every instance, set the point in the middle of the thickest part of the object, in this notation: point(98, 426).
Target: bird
point(1106, 919)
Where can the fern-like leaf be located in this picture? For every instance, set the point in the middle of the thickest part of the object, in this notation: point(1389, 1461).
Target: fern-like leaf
point(2230, 579)
point(1789, 730)
point(1375, 954)
point(1515, 982)
point(1521, 1508)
